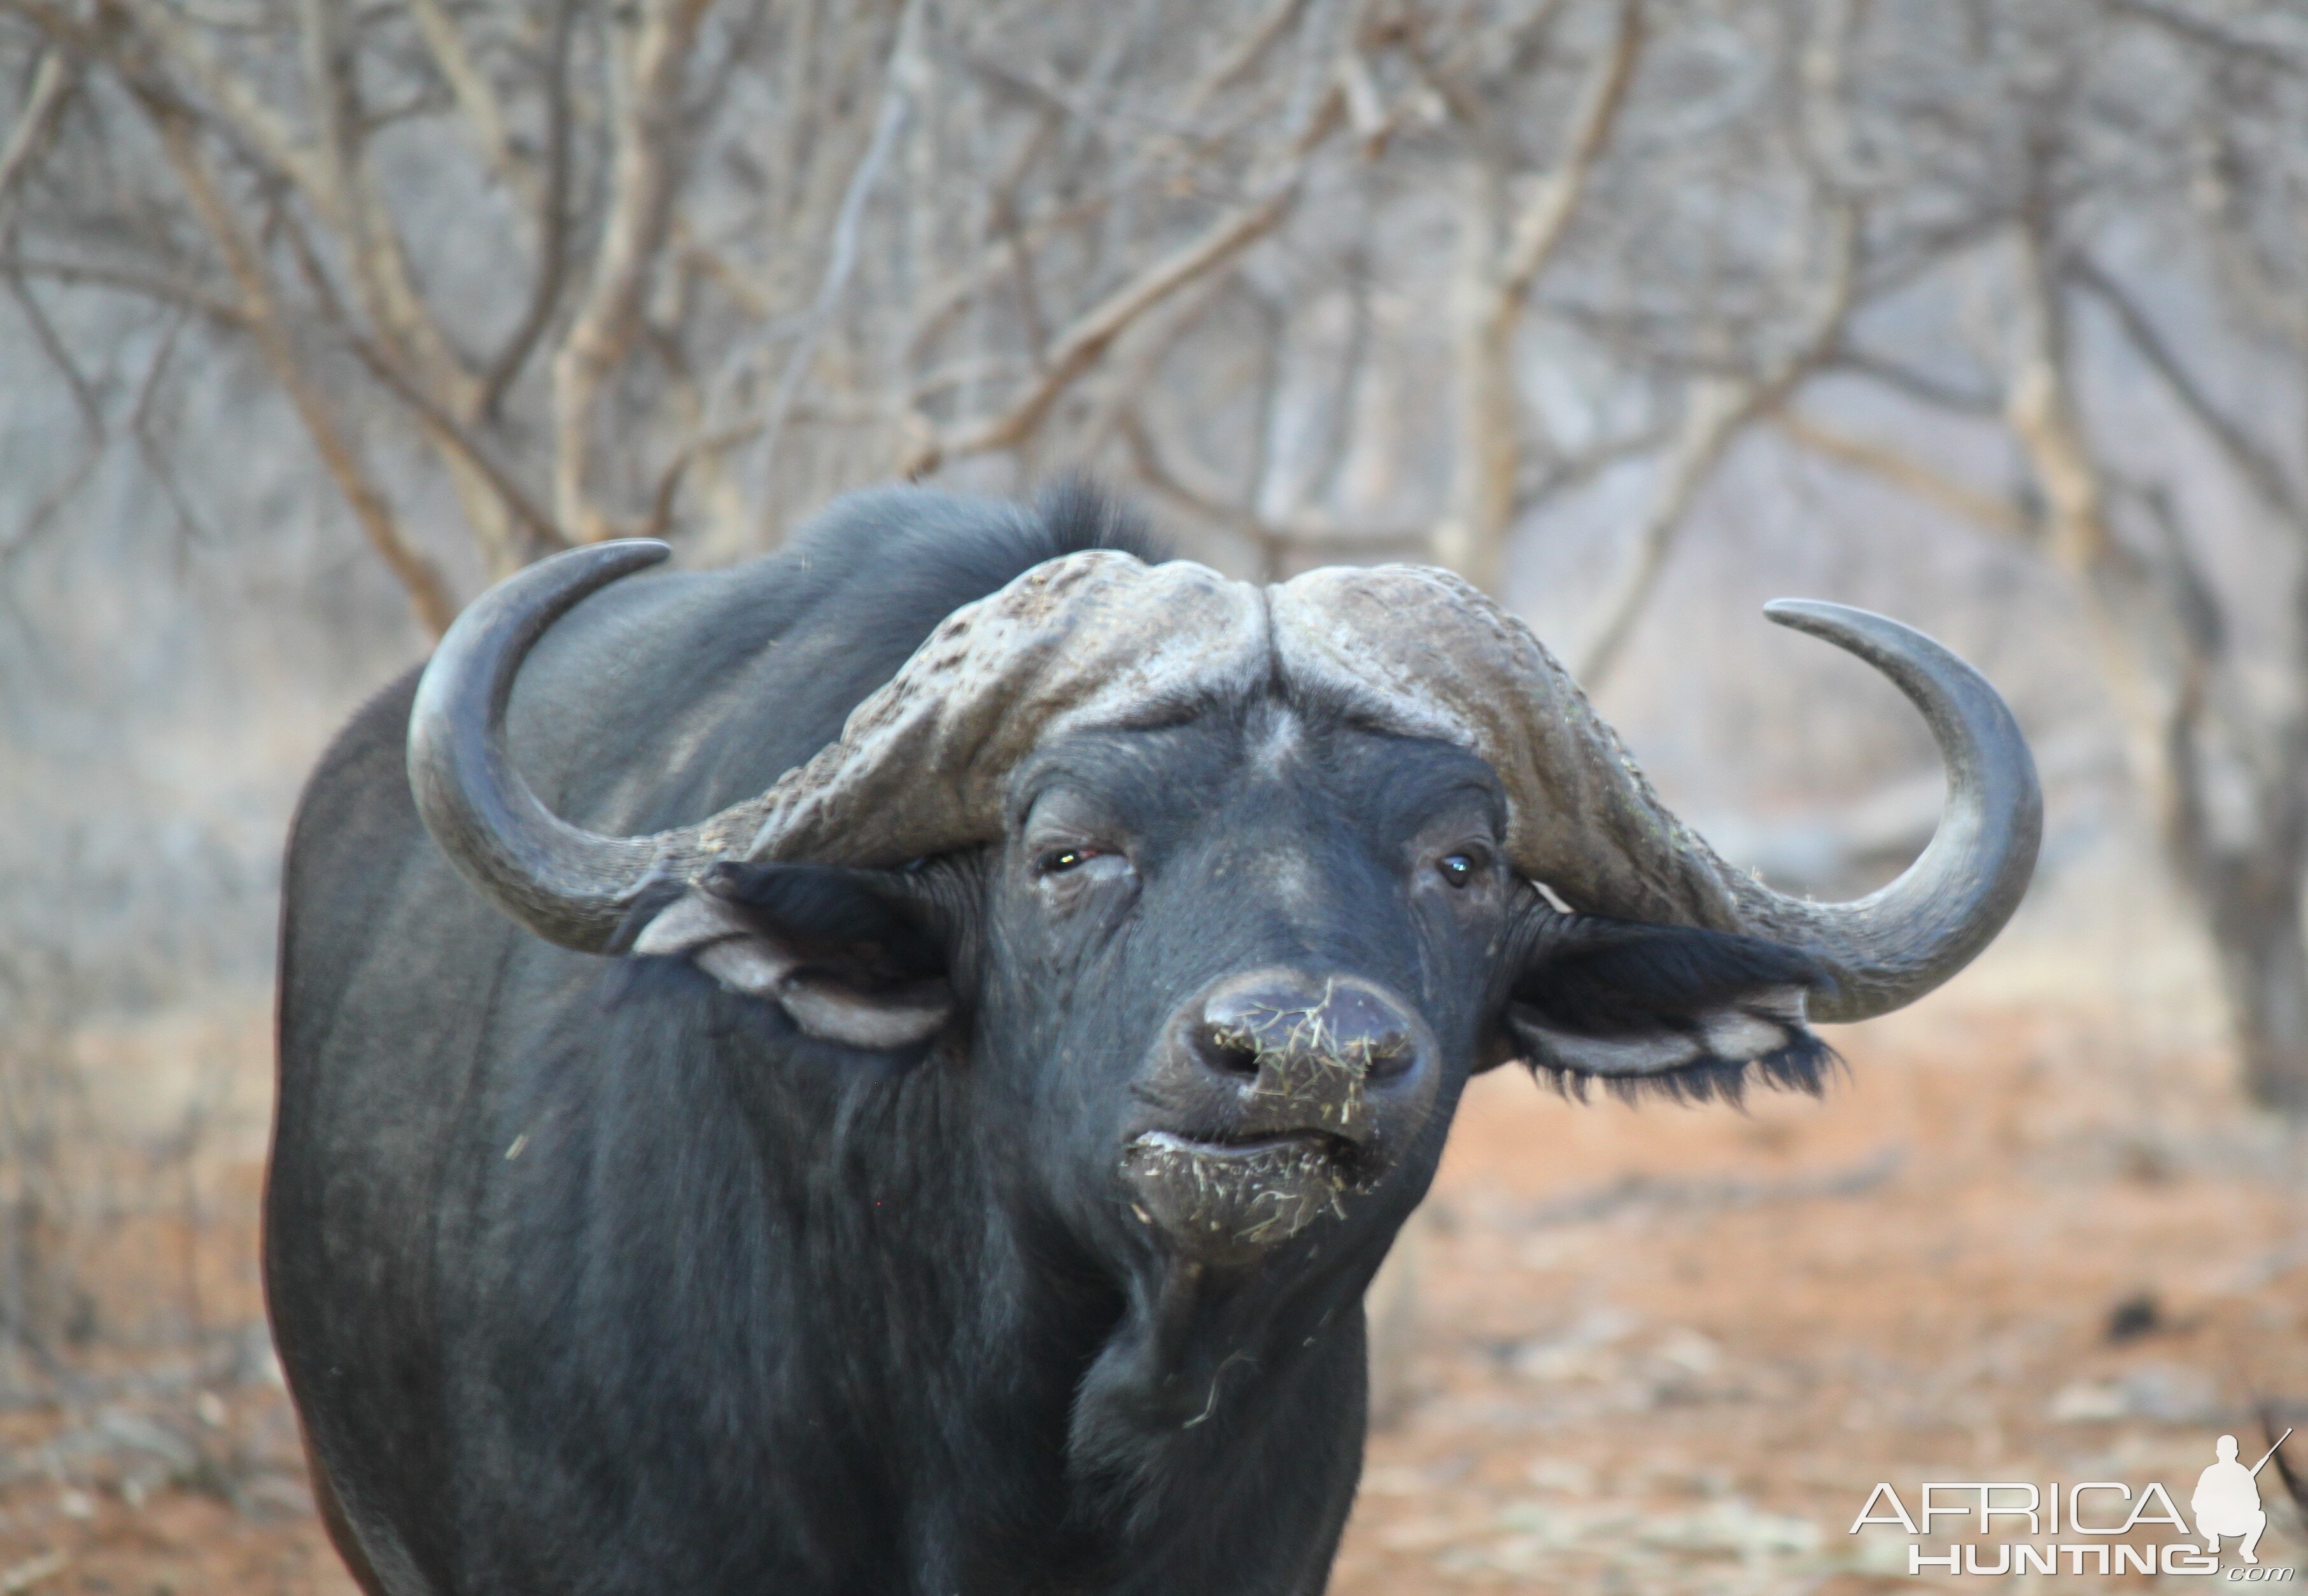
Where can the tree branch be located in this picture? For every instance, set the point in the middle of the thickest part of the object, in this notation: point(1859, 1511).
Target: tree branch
point(1539, 230)
point(2039, 407)
point(1241, 56)
point(1206, 501)
point(450, 436)
point(2197, 32)
point(1720, 409)
point(2255, 464)
point(1078, 347)
point(644, 177)
point(1915, 385)
point(551, 205)
point(51, 85)
point(477, 97)
point(246, 119)
point(188, 296)
point(369, 242)
point(1905, 472)
point(841, 258)
point(1488, 467)
point(428, 594)
point(455, 439)
point(52, 345)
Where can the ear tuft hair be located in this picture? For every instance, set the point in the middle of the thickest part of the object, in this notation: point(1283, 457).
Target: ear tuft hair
point(829, 946)
point(1078, 514)
point(1806, 1065)
point(825, 911)
point(1693, 1015)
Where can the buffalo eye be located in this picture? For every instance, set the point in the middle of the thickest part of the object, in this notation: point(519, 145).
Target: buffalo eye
point(1057, 862)
point(1458, 869)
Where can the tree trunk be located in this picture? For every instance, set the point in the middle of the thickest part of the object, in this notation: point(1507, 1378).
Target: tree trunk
point(2253, 911)
point(2248, 887)
point(1487, 441)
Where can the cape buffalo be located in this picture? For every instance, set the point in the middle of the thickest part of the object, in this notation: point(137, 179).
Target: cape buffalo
point(953, 1163)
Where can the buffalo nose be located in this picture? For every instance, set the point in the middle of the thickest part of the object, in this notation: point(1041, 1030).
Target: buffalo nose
point(1250, 1024)
point(1293, 1052)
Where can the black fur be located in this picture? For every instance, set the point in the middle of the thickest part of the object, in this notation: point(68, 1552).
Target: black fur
point(1806, 1065)
point(1609, 978)
point(590, 1276)
point(1615, 977)
point(847, 917)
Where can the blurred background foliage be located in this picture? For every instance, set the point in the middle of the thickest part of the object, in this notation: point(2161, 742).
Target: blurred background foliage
point(320, 314)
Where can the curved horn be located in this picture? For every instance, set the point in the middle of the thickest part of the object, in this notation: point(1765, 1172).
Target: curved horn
point(1426, 653)
point(1098, 639)
point(919, 768)
point(1897, 943)
point(568, 885)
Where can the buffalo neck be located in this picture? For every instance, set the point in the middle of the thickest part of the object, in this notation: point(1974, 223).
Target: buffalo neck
point(1057, 1399)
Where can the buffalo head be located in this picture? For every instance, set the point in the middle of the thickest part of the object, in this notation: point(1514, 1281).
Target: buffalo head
point(1218, 893)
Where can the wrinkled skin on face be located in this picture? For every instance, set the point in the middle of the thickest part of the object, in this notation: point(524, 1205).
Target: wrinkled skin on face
point(1238, 974)
point(1215, 993)
point(1143, 869)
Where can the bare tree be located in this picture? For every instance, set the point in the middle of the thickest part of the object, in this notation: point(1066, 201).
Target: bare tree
point(1514, 222)
point(669, 266)
point(2053, 226)
point(2061, 189)
point(685, 268)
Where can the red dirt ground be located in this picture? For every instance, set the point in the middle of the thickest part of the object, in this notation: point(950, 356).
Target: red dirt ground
point(1660, 1350)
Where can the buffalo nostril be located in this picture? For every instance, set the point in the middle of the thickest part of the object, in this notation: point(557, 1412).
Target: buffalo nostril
point(1391, 1057)
point(1367, 1028)
point(1241, 1028)
point(1228, 1047)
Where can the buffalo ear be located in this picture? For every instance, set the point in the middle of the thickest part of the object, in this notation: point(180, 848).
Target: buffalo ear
point(835, 949)
point(1674, 1009)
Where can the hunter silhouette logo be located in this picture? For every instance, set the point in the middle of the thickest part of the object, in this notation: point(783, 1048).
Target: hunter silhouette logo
point(2083, 1524)
point(2228, 1499)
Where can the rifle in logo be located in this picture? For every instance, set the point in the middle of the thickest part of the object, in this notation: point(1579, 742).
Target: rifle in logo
point(2228, 1499)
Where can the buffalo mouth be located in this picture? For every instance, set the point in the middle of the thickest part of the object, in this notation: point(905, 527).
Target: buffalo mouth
point(1228, 1201)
